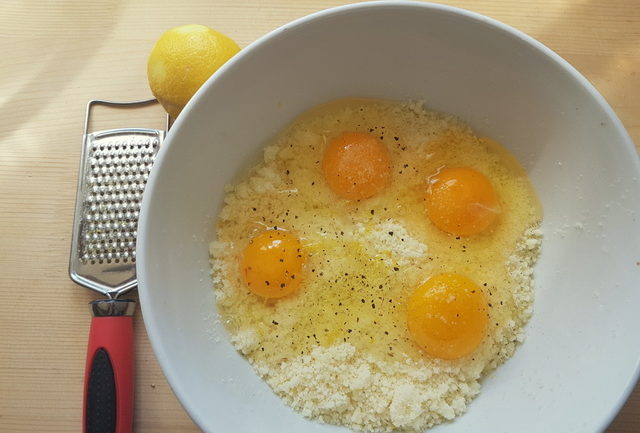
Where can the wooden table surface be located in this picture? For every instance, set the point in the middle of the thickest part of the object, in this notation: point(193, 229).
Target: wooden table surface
point(57, 55)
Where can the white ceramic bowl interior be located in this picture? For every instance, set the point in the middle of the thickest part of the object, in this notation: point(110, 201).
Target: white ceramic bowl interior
point(581, 356)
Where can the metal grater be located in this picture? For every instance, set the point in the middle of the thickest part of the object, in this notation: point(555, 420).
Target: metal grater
point(114, 169)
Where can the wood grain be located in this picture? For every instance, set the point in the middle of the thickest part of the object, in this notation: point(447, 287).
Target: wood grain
point(59, 55)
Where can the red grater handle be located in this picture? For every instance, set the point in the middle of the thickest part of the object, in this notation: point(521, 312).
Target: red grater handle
point(109, 373)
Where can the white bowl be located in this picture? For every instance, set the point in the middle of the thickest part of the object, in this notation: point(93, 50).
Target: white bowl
point(581, 357)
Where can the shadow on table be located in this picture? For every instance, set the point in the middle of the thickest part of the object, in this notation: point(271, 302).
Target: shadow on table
point(58, 29)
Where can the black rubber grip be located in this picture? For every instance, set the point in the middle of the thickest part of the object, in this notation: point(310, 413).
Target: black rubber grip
point(101, 395)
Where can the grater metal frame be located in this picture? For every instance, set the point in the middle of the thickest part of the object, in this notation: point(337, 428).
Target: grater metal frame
point(112, 276)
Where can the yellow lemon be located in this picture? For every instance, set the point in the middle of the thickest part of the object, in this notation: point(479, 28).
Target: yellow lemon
point(182, 60)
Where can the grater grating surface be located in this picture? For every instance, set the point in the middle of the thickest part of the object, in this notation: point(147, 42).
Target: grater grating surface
point(114, 170)
point(119, 167)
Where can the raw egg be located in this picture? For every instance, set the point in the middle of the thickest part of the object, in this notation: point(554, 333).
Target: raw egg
point(447, 316)
point(272, 264)
point(356, 165)
point(461, 201)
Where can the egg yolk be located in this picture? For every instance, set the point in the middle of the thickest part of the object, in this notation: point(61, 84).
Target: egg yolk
point(447, 316)
point(272, 264)
point(356, 165)
point(461, 201)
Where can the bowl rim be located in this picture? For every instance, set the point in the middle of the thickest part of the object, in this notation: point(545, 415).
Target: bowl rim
point(150, 322)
